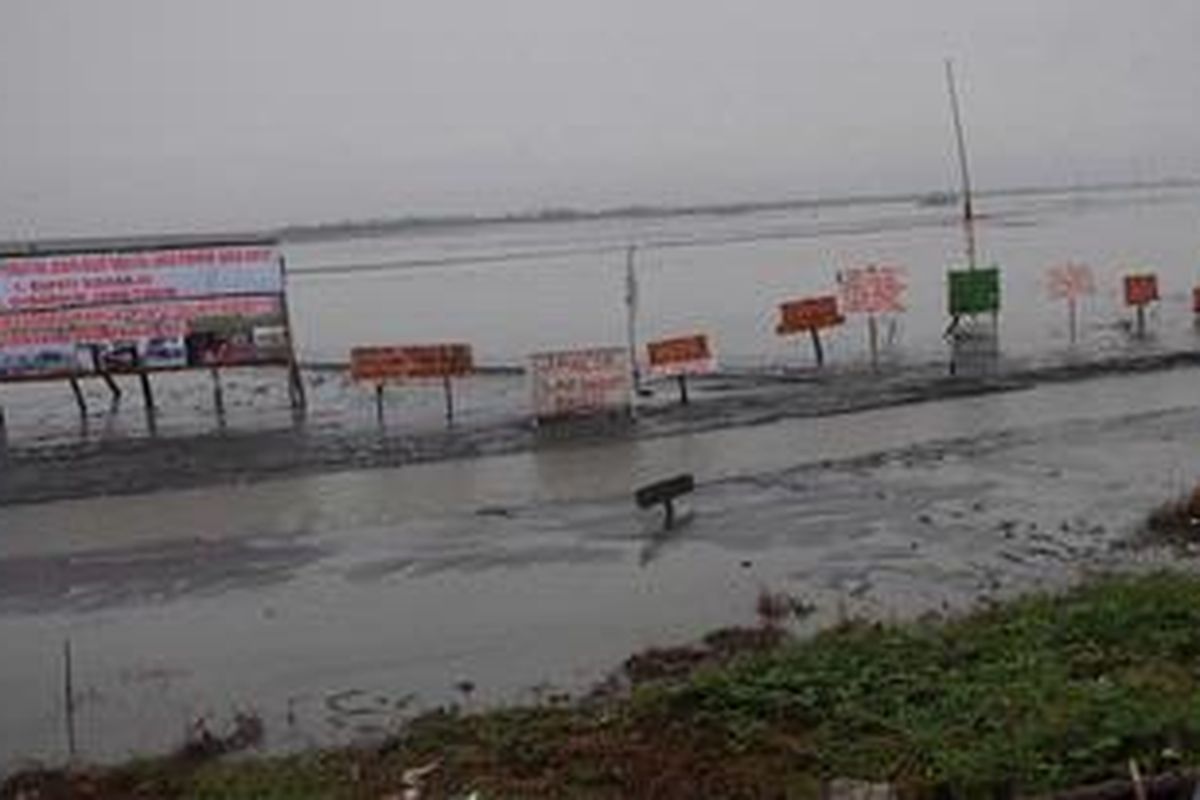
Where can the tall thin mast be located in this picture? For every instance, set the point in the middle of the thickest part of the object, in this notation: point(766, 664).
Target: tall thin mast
point(968, 208)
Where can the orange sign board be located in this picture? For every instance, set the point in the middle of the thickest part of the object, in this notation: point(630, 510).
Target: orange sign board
point(1141, 290)
point(812, 313)
point(682, 355)
point(381, 364)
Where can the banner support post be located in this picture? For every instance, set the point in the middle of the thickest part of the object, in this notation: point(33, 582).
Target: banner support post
point(379, 402)
point(449, 400)
point(79, 398)
point(218, 393)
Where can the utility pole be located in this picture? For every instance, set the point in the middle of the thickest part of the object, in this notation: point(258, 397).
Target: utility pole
point(964, 169)
point(631, 300)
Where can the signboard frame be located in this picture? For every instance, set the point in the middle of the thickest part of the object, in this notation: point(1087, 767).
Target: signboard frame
point(400, 363)
point(111, 284)
point(563, 371)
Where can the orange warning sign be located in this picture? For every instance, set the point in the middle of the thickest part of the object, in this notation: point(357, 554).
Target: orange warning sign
point(682, 355)
point(381, 364)
point(812, 313)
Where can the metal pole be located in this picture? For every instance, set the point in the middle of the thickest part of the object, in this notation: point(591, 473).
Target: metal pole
point(873, 335)
point(818, 351)
point(631, 300)
point(379, 402)
point(683, 392)
point(1072, 314)
point(218, 393)
point(960, 138)
point(79, 399)
point(69, 697)
point(295, 381)
point(449, 400)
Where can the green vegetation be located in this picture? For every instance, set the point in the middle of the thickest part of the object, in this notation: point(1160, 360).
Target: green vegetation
point(1042, 693)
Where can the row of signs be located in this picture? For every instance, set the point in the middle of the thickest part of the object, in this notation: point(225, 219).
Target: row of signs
point(570, 383)
point(564, 384)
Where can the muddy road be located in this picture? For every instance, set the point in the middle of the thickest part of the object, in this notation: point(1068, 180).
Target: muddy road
point(335, 604)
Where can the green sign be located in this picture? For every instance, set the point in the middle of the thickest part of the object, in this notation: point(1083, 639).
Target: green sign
point(974, 291)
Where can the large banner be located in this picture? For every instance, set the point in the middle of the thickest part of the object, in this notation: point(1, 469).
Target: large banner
point(157, 309)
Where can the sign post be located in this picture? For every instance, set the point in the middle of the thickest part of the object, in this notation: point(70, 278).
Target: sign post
point(382, 365)
point(873, 290)
point(1069, 282)
point(811, 315)
point(680, 357)
point(1140, 291)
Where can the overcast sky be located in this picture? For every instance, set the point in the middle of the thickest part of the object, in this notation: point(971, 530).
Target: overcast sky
point(145, 115)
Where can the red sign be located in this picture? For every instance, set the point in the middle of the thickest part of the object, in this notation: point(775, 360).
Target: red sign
point(873, 290)
point(809, 314)
point(683, 355)
point(1141, 290)
point(1069, 281)
point(381, 364)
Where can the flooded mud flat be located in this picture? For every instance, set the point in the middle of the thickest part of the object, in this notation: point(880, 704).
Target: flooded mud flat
point(113, 452)
point(336, 604)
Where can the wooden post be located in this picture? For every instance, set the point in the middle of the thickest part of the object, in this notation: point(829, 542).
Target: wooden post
point(818, 351)
point(148, 402)
point(379, 402)
point(873, 336)
point(668, 514)
point(69, 698)
point(683, 392)
point(98, 364)
point(449, 400)
point(218, 393)
point(79, 398)
point(1141, 321)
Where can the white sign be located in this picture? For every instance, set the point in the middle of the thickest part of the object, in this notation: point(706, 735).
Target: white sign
point(580, 382)
point(89, 279)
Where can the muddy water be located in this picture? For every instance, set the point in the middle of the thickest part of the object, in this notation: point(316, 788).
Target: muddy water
point(513, 290)
point(334, 605)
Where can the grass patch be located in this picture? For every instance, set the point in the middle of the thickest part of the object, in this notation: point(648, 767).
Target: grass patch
point(1040, 694)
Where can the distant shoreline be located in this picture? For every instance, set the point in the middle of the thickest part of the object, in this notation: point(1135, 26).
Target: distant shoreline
point(389, 226)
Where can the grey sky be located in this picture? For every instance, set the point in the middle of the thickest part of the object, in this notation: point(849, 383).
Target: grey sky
point(123, 115)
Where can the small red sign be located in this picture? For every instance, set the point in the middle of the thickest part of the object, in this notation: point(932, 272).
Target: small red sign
point(682, 355)
point(379, 364)
point(812, 313)
point(1141, 290)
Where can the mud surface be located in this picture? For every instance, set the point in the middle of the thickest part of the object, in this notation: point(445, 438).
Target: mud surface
point(335, 604)
point(104, 457)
